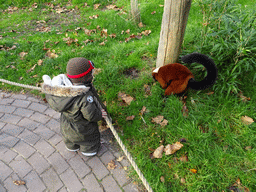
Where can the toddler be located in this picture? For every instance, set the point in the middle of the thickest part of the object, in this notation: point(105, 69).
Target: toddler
point(74, 96)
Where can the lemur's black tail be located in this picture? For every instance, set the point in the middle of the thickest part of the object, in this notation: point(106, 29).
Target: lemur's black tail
point(208, 63)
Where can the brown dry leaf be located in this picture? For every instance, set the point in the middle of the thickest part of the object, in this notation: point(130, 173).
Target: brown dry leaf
point(40, 62)
point(120, 158)
point(143, 110)
point(43, 29)
point(89, 31)
point(17, 182)
point(23, 54)
point(93, 17)
point(182, 180)
point(140, 25)
point(102, 43)
point(96, 6)
point(146, 32)
point(158, 153)
point(247, 120)
point(158, 119)
point(130, 118)
point(210, 93)
point(127, 31)
point(164, 123)
point(154, 12)
point(32, 68)
point(193, 170)
point(171, 149)
point(51, 55)
point(243, 98)
point(96, 71)
point(113, 35)
point(104, 33)
point(126, 98)
point(111, 165)
point(240, 186)
point(162, 179)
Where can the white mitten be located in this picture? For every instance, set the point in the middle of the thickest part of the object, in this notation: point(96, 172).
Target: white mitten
point(47, 80)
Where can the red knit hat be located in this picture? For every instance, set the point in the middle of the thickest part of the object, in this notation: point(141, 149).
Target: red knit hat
point(79, 70)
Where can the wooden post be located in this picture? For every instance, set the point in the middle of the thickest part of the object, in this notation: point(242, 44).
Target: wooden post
point(135, 11)
point(172, 31)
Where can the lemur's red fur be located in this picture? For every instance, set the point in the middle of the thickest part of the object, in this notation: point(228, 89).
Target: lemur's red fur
point(173, 77)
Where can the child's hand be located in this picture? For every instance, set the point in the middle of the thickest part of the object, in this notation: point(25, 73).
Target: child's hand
point(104, 114)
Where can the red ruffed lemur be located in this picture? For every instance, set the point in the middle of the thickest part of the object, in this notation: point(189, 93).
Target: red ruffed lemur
point(176, 78)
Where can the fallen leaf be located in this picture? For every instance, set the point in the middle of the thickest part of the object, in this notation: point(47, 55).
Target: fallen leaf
point(182, 180)
point(162, 179)
point(210, 93)
point(32, 68)
point(51, 55)
point(96, 71)
point(193, 170)
point(146, 32)
point(111, 165)
point(185, 110)
point(96, 6)
point(171, 149)
point(158, 119)
point(93, 17)
point(164, 123)
point(238, 186)
point(104, 33)
point(130, 118)
point(17, 182)
point(126, 98)
point(113, 35)
point(127, 31)
point(125, 168)
point(120, 158)
point(40, 62)
point(140, 25)
point(23, 54)
point(154, 12)
point(247, 120)
point(158, 153)
point(102, 43)
point(143, 110)
point(243, 98)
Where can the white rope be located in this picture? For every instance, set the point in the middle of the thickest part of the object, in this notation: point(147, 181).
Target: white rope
point(126, 152)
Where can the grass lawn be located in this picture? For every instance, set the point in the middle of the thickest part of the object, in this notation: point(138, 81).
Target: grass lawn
point(219, 152)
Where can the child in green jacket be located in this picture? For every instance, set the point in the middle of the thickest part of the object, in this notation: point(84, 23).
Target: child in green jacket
point(74, 96)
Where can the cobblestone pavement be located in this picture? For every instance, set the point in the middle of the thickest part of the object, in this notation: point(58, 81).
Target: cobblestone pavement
point(31, 150)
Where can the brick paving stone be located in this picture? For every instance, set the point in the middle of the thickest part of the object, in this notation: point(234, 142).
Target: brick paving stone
point(44, 132)
point(8, 140)
point(29, 124)
point(29, 137)
point(91, 184)
point(39, 163)
point(2, 189)
point(19, 96)
point(24, 149)
point(1, 115)
point(110, 184)
point(71, 181)
point(34, 182)
point(40, 118)
point(44, 148)
point(54, 125)
point(51, 180)
point(130, 188)
point(8, 183)
point(50, 112)
point(79, 166)
point(55, 139)
point(23, 112)
point(21, 103)
point(58, 163)
point(37, 107)
point(2, 124)
point(20, 166)
point(120, 175)
point(98, 167)
point(6, 109)
point(63, 190)
point(7, 155)
point(5, 172)
point(12, 129)
point(9, 118)
point(33, 99)
point(64, 152)
point(6, 101)
point(107, 157)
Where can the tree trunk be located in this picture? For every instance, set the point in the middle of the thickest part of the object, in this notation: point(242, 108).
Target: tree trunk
point(135, 11)
point(172, 31)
